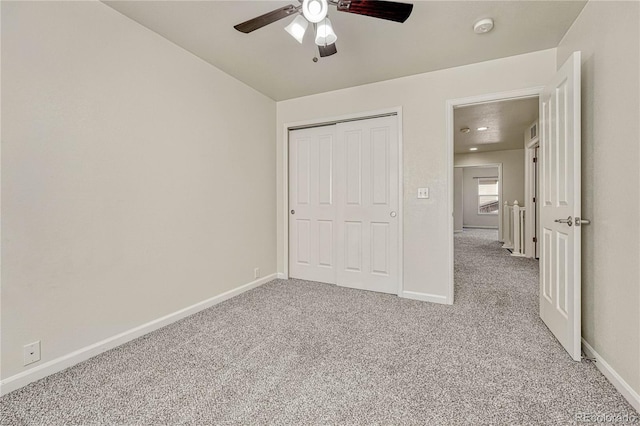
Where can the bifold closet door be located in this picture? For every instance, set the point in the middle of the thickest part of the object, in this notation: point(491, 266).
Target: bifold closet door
point(312, 210)
point(367, 202)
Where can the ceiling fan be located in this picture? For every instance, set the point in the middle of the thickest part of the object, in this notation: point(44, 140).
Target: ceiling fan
point(315, 12)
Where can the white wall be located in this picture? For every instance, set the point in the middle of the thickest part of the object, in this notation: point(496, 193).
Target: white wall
point(423, 99)
point(470, 215)
point(607, 34)
point(136, 178)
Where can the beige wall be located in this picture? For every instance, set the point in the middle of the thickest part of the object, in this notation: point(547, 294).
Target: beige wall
point(512, 170)
point(607, 35)
point(136, 178)
point(423, 99)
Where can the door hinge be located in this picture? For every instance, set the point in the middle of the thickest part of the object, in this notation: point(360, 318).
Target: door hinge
point(535, 159)
point(534, 199)
point(535, 240)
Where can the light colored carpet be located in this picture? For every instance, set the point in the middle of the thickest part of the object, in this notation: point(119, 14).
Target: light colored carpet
point(296, 352)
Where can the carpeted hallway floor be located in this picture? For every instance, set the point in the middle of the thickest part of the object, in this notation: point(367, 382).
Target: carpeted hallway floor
point(295, 352)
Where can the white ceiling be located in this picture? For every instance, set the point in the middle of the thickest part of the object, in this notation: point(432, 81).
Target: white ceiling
point(506, 122)
point(438, 35)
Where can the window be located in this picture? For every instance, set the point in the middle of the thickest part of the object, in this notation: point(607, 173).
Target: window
point(488, 196)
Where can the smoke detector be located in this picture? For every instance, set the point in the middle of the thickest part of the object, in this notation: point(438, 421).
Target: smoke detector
point(483, 26)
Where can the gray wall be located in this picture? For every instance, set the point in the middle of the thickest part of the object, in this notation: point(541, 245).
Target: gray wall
point(137, 179)
point(471, 217)
point(607, 34)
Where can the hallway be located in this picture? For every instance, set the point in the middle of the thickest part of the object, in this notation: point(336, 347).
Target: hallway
point(486, 275)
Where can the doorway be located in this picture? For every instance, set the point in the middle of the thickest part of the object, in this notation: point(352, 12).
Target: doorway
point(559, 206)
point(478, 197)
point(488, 130)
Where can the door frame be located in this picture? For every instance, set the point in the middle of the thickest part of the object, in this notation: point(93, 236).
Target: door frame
point(452, 104)
point(316, 122)
point(531, 182)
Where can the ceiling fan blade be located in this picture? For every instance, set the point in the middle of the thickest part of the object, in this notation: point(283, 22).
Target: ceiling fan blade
point(266, 19)
point(327, 50)
point(390, 10)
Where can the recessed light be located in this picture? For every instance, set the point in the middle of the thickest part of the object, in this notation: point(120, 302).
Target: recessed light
point(482, 129)
point(473, 149)
point(465, 130)
point(483, 26)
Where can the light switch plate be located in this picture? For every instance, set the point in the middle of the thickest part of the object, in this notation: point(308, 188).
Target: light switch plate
point(423, 192)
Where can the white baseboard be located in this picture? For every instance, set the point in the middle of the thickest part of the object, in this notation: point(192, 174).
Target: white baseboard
point(282, 276)
point(479, 227)
point(425, 297)
point(24, 378)
point(618, 382)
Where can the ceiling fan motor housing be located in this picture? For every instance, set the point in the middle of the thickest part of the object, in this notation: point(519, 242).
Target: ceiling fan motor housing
point(315, 10)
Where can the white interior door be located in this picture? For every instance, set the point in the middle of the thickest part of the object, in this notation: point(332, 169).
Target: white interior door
point(312, 215)
point(368, 202)
point(560, 207)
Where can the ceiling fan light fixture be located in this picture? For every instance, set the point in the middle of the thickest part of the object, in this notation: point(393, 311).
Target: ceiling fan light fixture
point(315, 10)
point(325, 34)
point(297, 28)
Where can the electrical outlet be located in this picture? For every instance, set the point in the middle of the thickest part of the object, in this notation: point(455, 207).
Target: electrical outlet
point(31, 353)
point(423, 192)
point(256, 273)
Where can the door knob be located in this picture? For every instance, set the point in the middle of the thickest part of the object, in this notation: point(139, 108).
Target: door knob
point(568, 221)
point(393, 214)
point(293, 212)
point(580, 221)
